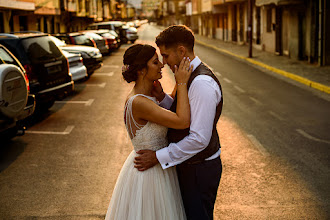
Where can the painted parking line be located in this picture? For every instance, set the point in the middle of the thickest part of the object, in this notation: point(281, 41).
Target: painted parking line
point(102, 85)
point(65, 132)
point(239, 89)
point(276, 115)
point(111, 66)
point(303, 133)
point(227, 80)
point(218, 74)
point(255, 100)
point(258, 145)
point(103, 74)
point(87, 103)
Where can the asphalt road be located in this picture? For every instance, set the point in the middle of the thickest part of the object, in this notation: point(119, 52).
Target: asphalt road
point(274, 135)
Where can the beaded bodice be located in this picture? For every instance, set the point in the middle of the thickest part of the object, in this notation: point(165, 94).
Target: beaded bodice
point(149, 136)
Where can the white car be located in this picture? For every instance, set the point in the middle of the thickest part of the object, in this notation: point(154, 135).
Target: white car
point(77, 68)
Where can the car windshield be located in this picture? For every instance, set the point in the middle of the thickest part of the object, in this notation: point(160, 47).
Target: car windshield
point(94, 36)
point(58, 42)
point(113, 33)
point(107, 35)
point(83, 40)
point(41, 48)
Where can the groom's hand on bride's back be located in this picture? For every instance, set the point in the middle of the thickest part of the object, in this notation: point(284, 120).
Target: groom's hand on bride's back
point(145, 160)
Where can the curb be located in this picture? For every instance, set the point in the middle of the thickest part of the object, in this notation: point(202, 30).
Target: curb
point(302, 80)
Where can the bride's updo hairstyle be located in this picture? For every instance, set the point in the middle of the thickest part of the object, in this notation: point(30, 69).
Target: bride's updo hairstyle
point(135, 59)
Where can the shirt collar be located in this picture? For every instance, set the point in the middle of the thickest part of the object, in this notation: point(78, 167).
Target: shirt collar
point(196, 61)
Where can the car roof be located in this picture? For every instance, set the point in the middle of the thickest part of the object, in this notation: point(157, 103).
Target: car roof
point(22, 35)
point(107, 22)
point(70, 34)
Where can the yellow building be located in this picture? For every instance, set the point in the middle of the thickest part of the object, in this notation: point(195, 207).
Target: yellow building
point(15, 15)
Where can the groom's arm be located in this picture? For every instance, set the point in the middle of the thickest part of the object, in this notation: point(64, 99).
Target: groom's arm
point(164, 99)
point(204, 96)
point(166, 102)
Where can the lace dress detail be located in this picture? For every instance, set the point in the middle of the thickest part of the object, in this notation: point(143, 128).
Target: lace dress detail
point(151, 194)
point(149, 136)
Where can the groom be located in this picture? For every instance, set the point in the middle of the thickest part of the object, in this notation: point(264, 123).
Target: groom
point(195, 151)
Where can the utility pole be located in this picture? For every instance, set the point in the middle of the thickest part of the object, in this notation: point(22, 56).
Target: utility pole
point(250, 7)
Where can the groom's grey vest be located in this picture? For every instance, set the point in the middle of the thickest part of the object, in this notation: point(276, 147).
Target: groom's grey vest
point(175, 135)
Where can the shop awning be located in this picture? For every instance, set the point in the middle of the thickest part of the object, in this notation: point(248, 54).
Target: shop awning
point(277, 2)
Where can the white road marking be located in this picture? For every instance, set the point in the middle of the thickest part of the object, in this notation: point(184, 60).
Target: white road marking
point(227, 80)
point(218, 74)
point(113, 66)
point(87, 103)
point(65, 132)
point(303, 133)
point(255, 100)
point(276, 116)
point(239, 89)
point(103, 74)
point(258, 145)
point(99, 85)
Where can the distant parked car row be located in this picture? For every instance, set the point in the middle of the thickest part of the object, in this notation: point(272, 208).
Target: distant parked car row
point(125, 32)
point(92, 57)
point(36, 68)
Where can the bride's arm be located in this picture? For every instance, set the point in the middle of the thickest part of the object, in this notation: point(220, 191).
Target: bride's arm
point(145, 109)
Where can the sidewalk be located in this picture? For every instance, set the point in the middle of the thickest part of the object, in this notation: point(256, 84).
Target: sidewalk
point(299, 71)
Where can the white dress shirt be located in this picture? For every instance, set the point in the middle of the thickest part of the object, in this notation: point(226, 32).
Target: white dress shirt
point(204, 96)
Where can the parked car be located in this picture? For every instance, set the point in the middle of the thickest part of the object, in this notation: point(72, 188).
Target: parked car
point(92, 57)
point(16, 102)
point(101, 43)
point(110, 36)
point(125, 32)
point(114, 33)
point(45, 65)
point(77, 68)
point(76, 38)
point(130, 33)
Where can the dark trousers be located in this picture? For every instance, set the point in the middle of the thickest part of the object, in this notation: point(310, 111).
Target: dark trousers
point(199, 185)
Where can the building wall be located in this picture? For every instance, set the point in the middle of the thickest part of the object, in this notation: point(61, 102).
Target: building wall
point(326, 26)
point(232, 23)
point(293, 35)
point(268, 37)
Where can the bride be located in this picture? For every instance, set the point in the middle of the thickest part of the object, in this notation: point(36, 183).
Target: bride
point(154, 193)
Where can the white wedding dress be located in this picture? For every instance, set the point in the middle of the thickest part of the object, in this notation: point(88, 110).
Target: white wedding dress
point(153, 194)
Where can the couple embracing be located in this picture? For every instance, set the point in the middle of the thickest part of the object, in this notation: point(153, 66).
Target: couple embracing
point(174, 171)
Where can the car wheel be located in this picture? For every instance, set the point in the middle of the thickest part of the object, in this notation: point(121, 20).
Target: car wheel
point(43, 107)
point(47, 105)
point(9, 133)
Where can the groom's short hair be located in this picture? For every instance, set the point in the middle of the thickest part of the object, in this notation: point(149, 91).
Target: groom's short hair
point(176, 35)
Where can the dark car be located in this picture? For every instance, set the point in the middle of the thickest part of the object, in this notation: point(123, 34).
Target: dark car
point(45, 65)
point(16, 102)
point(76, 38)
point(101, 43)
point(110, 36)
point(92, 57)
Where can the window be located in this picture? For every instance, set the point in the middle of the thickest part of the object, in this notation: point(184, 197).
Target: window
point(6, 58)
point(41, 48)
point(269, 20)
